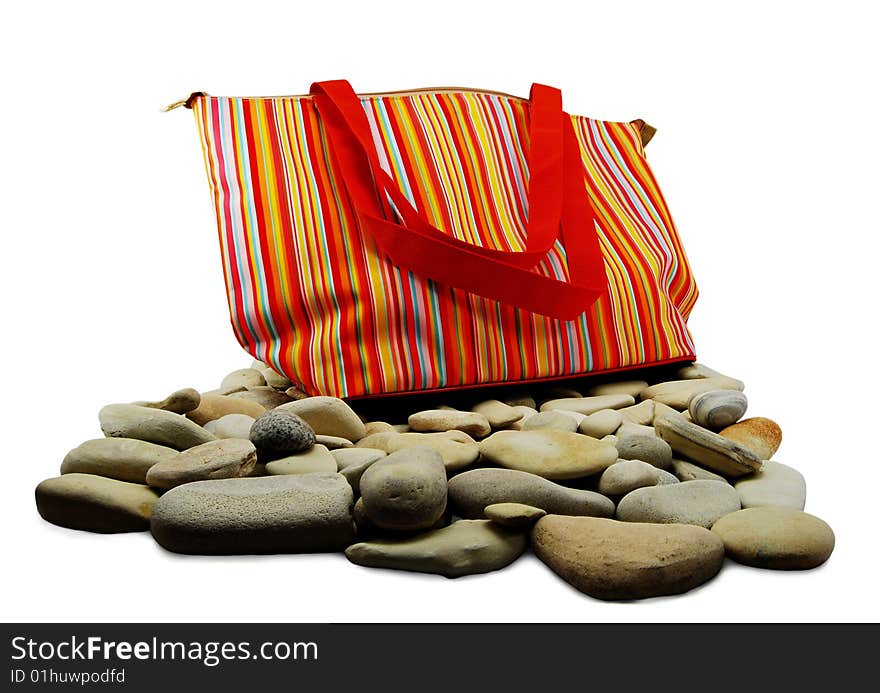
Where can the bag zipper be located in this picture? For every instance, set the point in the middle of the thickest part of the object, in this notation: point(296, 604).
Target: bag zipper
point(187, 102)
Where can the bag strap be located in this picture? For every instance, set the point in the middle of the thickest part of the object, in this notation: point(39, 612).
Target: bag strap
point(557, 201)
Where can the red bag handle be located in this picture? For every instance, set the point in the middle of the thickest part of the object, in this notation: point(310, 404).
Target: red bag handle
point(557, 202)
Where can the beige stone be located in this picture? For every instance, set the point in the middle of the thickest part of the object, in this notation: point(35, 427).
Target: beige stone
point(328, 416)
point(316, 459)
point(213, 407)
point(707, 449)
point(589, 405)
point(513, 515)
point(758, 435)
point(677, 393)
point(440, 420)
point(548, 453)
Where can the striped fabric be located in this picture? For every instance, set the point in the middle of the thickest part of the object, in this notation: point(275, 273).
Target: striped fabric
point(311, 295)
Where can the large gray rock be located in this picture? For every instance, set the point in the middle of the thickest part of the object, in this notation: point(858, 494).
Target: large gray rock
point(777, 538)
point(125, 459)
point(694, 503)
point(470, 493)
point(775, 485)
point(219, 459)
point(405, 490)
point(273, 514)
point(95, 503)
point(465, 547)
point(616, 560)
point(152, 425)
point(328, 416)
point(549, 453)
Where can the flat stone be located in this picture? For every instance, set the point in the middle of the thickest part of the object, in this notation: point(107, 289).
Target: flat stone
point(333, 442)
point(231, 426)
point(717, 409)
point(353, 462)
point(628, 428)
point(620, 387)
point(548, 453)
point(470, 493)
point(125, 459)
point(465, 547)
point(265, 396)
point(601, 423)
point(662, 411)
point(219, 459)
point(244, 377)
point(498, 414)
point(328, 416)
point(589, 405)
point(698, 370)
point(513, 515)
point(758, 435)
point(316, 459)
point(377, 427)
point(641, 413)
point(179, 401)
point(776, 538)
point(457, 449)
point(618, 560)
point(95, 503)
point(273, 514)
point(405, 490)
point(526, 413)
point(708, 449)
point(627, 475)
point(677, 393)
point(152, 425)
point(688, 471)
point(647, 448)
point(279, 432)
point(775, 485)
point(440, 420)
point(553, 420)
point(695, 503)
point(212, 407)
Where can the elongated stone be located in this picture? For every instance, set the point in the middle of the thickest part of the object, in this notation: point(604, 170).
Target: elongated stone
point(552, 420)
point(179, 401)
point(440, 420)
point(513, 515)
point(457, 449)
point(219, 459)
point(328, 416)
point(695, 503)
point(315, 459)
point(677, 393)
point(465, 547)
point(212, 407)
point(95, 503)
point(706, 448)
point(775, 485)
point(548, 453)
point(589, 405)
point(688, 471)
point(619, 387)
point(152, 425)
point(125, 459)
point(498, 414)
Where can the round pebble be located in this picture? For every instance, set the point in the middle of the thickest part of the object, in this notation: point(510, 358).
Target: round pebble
point(279, 431)
point(717, 409)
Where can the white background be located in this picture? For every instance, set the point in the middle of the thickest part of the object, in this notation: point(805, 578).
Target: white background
point(112, 287)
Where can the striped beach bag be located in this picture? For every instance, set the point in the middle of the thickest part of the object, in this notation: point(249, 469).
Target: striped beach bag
point(440, 238)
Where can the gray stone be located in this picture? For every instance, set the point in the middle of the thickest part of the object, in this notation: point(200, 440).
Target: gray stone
point(152, 425)
point(589, 405)
point(601, 423)
point(405, 490)
point(647, 448)
point(95, 503)
point(627, 475)
point(328, 416)
point(470, 493)
point(555, 420)
point(717, 409)
point(688, 471)
point(775, 485)
point(617, 560)
point(125, 459)
point(279, 432)
point(707, 448)
point(316, 459)
point(273, 514)
point(465, 547)
point(441, 420)
point(231, 426)
point(775, 538)
point(219, 459)
point(513, 515)
point(694, 503)
point(548, 453)
point(665, 478)
point(353, 462)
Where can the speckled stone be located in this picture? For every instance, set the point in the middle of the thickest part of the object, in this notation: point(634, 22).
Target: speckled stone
point(125, 459)
point(219, 459)
point(470, 493)
point(465, 547)
point(278, 432)
point(315, 459)
point(613, 560)
point(776, 538)
point(95, 503)
point(694, 503)
point(273, 514)
point(152, 425)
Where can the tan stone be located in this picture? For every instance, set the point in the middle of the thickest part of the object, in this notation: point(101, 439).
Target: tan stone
point(548, 453)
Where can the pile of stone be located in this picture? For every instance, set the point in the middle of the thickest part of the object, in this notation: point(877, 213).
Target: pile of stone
point(630, 489)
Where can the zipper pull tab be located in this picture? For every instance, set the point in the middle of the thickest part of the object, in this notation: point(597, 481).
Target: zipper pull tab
point(186, 103)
